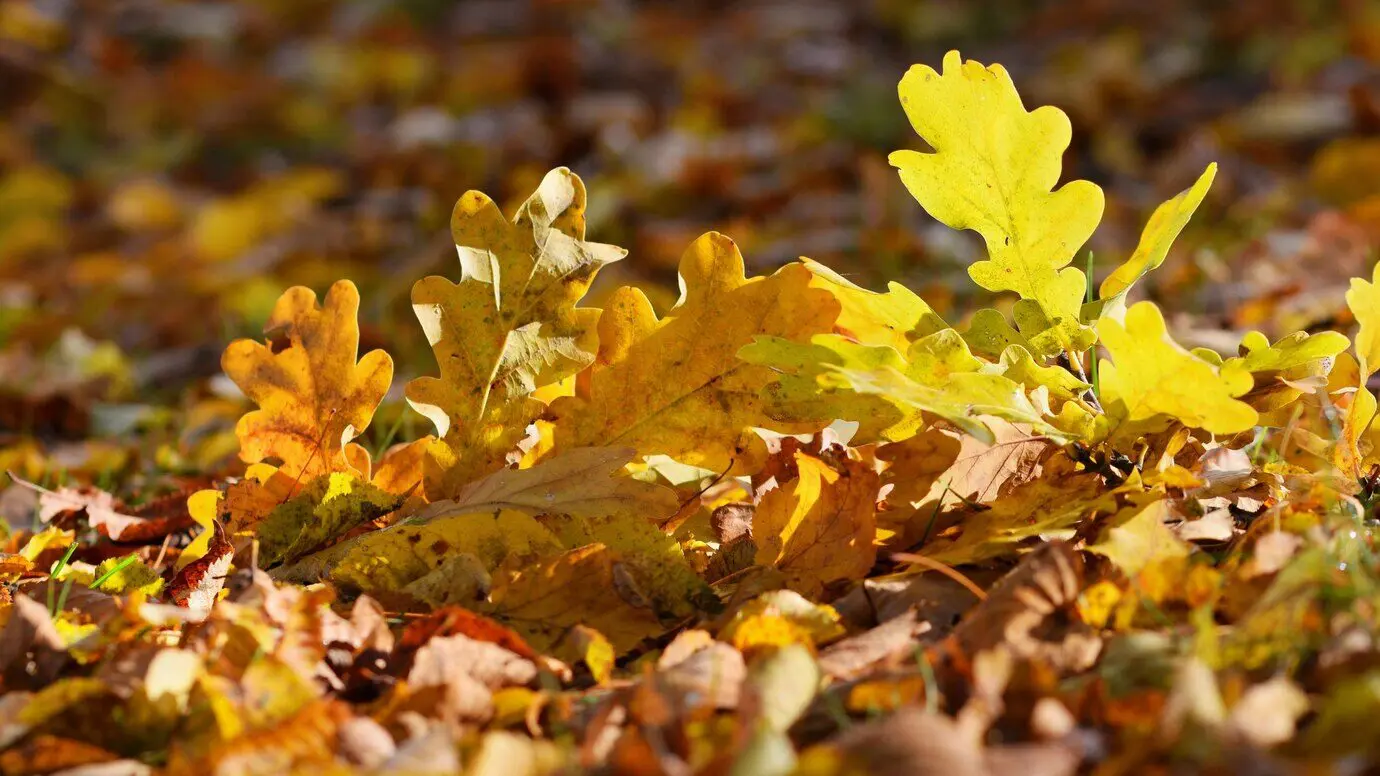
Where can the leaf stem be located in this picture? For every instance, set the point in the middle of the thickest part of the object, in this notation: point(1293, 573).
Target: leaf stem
point(1092, 351)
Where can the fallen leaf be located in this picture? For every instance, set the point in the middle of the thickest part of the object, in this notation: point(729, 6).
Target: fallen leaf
point(819, 529)
point(578, 587)
point(508, 327)
point(313, 397)
point(1152, 381)
point(197, 586)
point(675, 385)
point(583, 482)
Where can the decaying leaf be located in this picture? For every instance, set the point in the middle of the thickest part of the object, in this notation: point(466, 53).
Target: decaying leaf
point(579, 587)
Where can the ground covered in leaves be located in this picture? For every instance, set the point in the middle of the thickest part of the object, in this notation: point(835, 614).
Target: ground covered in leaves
point(777, 524)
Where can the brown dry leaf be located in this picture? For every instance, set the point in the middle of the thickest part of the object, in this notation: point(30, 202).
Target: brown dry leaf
point(47, 753)
point(584, 586)
point(819, 529)
point(917, 463)
point(712, 675)
point(107, 515)
point(313, 397)
point(857, 655)
point(731, 522)
point(469, 671)
point(197, 586)
point(29, 628)
point(1057, 501)
point(1032, 612)
point(910, 742)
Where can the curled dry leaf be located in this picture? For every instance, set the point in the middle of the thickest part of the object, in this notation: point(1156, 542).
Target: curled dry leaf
point(1032, 612)
point(197, 586)
point(107, 515)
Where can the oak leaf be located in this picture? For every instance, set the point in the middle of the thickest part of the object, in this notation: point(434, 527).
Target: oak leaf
point(389, 560)
point(1152, 381)
point(1364, 300)
point(1286, 369)
point(580, 481)
point(675, 385)
point(326, 509)
point(820, 528)
point(1057, 501)
point(508, 327)
point(313, 396)
point(896, 317)
point(993, 169)
point(1165, 224)
point(653, 559)
point(887, 392)
point(541, 601)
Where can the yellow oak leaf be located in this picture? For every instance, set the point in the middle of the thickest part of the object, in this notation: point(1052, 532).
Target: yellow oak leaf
point(886, 393)
point(990, 334)
point(1364, 300)
point(584, 586)
point(1283, 371)
point(1152, 381)
point(821, 527)
point(1020, 366)
point(993, 170)
point(510, 326)
point(1165, 224)
point(389, 560)
point(313, 396)
point(675, 386)
point(1137, 537)
point(897, 317)
point(583, 482)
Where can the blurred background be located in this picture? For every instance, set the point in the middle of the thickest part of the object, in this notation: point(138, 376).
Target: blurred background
point(167, 168)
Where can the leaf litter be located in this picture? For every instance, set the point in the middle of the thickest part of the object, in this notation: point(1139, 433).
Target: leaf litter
point(1059, 540)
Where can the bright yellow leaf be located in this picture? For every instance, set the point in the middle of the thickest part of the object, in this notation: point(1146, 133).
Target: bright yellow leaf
point(1364, 300)
point(1165, 224)
point(897, 317)
point(993, 170)
point(1152, 381)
